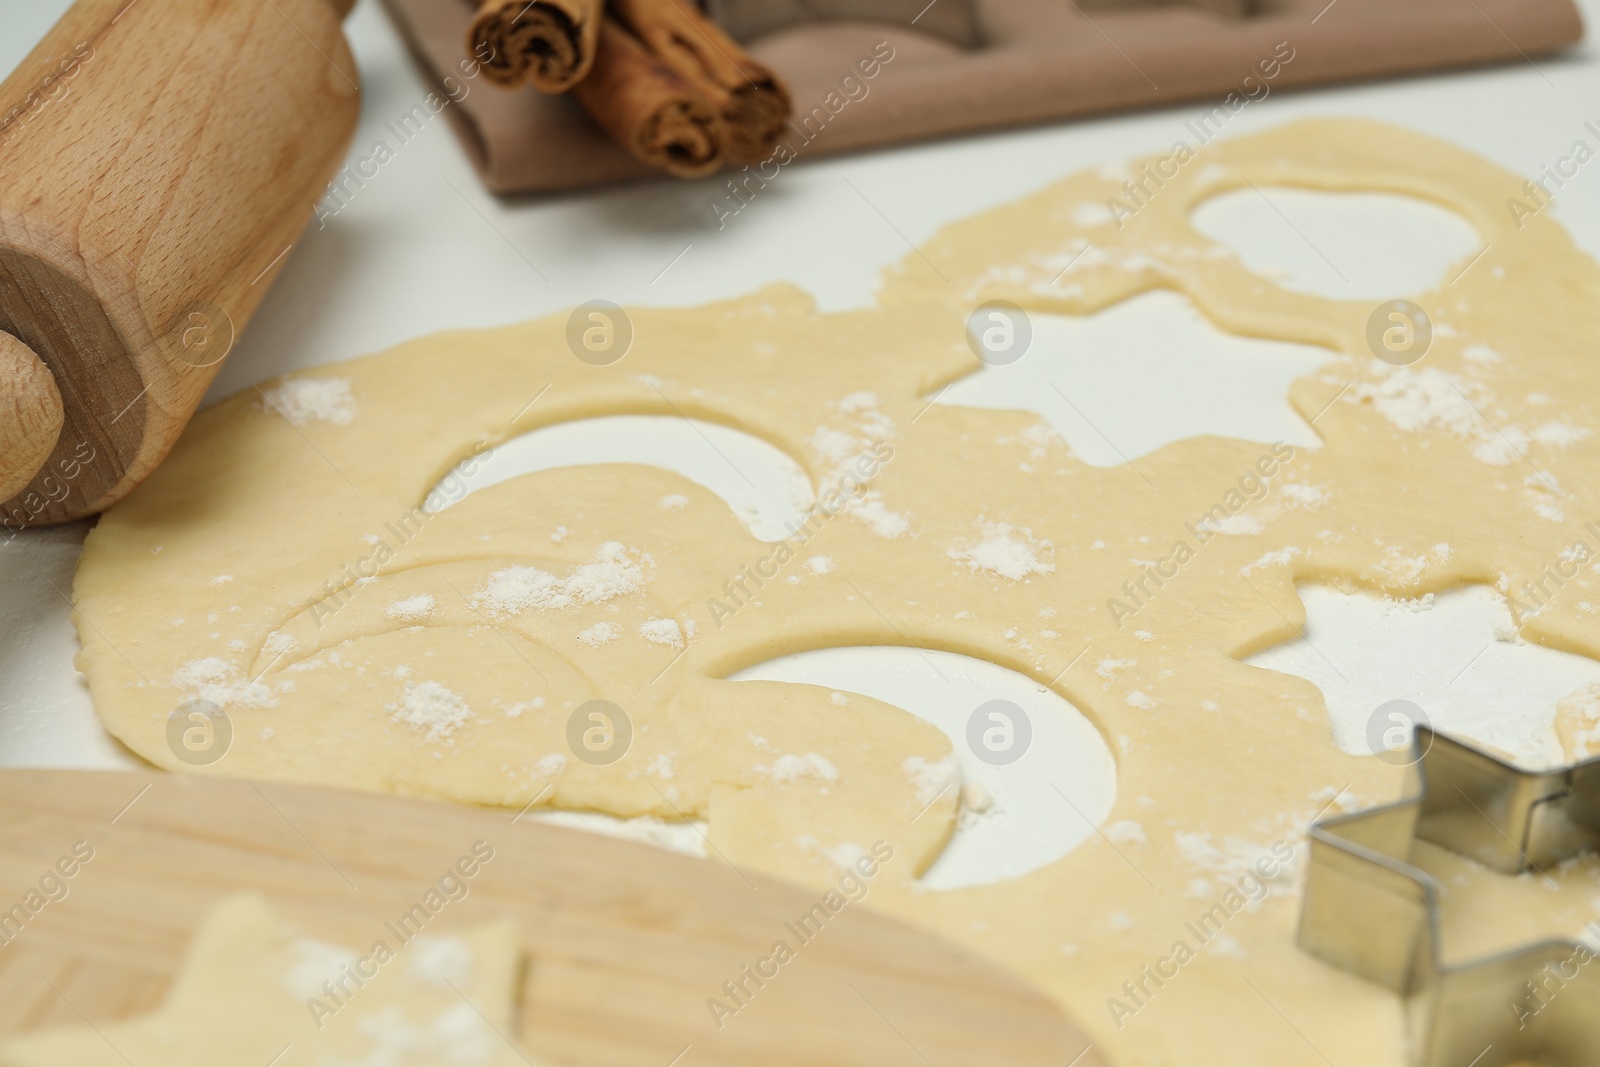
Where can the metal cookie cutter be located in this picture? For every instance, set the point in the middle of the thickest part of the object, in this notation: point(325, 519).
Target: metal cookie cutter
point(1368, 910)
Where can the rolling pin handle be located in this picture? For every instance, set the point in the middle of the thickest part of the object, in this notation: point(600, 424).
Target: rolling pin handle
point(31, 415)
point(341, 7)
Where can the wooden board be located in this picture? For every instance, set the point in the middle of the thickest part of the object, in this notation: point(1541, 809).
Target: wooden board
point(626, 943)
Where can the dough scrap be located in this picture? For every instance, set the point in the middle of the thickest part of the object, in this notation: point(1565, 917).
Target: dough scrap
point(1219, 763)
point(245, 991)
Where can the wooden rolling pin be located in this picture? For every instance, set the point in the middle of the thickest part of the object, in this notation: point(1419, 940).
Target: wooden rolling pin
point(158, 159)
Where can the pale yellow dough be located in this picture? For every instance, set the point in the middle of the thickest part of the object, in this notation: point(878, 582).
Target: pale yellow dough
point(248, 526)
point(241, 998)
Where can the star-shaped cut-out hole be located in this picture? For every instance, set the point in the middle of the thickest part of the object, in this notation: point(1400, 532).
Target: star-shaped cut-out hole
point(1454, 655)
point(1110, 385)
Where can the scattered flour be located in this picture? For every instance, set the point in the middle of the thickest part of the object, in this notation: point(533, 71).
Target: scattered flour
point(662, 632)
point(1408, 570)
point(1417, 400)
point(432, 709)
point(279, 644)
point(613, 572)
point(1240, 525)
point(857, 402)
point(844, 450)
point(1108, 667)
point(1006, 550)
point(820, 565)
point(411, 608)
point(441, 961)
point(975, 797)
point(845, 855)
point(316, 962)
point(871, 510)
point(214, 679)
point(308, 400)
point(674, 501)
point(458, 1035)
point(1125, 832)
point(516, 710)
point(1558, 434)
point(1226, 864)
point(1300, 495)
point(790, 768)
point(599, 634)
point(1229, 946)
point(931, 777)
point(1089, 213)
point(1277, 558)
point(1434, 399)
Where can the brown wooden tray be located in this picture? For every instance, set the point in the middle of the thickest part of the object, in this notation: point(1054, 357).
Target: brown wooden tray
point(1042, 60)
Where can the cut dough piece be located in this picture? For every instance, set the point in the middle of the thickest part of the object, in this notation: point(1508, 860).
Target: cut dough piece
point(255, 990)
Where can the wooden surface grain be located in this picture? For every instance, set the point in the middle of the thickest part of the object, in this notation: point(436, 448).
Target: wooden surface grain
point(625, 943)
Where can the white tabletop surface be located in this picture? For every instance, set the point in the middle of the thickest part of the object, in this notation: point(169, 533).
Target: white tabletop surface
point(423, 248)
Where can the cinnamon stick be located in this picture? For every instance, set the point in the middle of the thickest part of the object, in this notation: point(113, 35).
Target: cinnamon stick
point(752, 100)
point(649, 109)
point(550, 44)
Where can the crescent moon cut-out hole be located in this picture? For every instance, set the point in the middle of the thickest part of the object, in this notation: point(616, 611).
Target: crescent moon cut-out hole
point(1453, 656)
point(1108, 383)
point(1018, 813)
point(764, 486)
point(1343, 246)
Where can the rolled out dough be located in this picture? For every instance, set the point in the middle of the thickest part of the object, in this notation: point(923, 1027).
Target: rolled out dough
point(243, 573)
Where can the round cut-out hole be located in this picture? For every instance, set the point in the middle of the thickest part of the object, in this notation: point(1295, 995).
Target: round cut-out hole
point(1344, 246)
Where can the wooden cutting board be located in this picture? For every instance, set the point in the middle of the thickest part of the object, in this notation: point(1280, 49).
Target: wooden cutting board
point(626, 942)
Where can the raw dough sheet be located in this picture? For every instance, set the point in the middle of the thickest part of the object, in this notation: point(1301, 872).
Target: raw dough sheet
point(285, 565)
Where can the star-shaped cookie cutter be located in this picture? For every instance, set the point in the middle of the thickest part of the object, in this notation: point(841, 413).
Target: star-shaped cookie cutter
point(1368, 910)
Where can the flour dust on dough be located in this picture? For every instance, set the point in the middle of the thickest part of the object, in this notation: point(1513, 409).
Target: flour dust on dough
point(286, 571)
